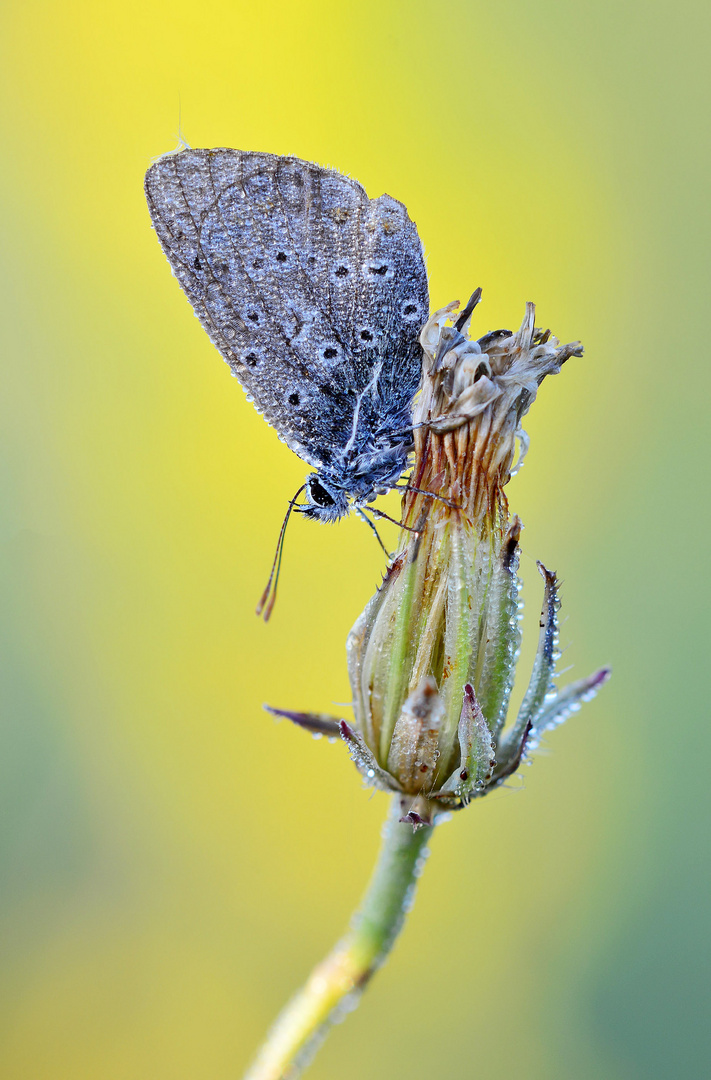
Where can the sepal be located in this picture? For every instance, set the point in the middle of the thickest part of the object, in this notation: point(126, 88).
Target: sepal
point(365, 761)
point(316, 723)
point(414, 746)
point(566, 702)
point(540, 686)
point(478, 756)
point(501, 640)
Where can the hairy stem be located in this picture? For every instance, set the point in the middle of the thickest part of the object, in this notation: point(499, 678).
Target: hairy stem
point(335, 986)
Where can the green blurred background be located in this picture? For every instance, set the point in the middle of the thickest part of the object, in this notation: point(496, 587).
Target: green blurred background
point(173, 860)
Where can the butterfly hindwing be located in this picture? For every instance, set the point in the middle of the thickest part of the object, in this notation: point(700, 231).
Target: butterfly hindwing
point(303, 284)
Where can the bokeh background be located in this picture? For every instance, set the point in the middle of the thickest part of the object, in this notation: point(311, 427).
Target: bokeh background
point(173, 860)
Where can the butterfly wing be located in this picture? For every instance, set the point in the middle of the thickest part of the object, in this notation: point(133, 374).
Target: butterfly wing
point(302, 282)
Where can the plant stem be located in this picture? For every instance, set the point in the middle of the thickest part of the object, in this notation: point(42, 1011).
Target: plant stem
point(335, 986)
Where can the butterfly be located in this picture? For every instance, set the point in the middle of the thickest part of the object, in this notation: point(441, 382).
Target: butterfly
point(314, 294)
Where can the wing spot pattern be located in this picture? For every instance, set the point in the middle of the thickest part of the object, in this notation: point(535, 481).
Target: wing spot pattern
point(411, 312)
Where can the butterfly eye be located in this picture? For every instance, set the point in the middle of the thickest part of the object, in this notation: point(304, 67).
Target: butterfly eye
point(293, 399)
point(330, 353)
point(319, 495)
point(342, 271)
point(281, 256)
point(366, 335)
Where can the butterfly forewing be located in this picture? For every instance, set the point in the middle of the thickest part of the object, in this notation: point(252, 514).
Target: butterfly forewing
point(303, 284)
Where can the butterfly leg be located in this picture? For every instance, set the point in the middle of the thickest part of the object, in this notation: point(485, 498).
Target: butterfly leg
point(386, 517)
point(367, 520)
point(421, 491)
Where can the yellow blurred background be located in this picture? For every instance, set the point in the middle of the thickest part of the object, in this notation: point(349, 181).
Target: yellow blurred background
point(173, 861)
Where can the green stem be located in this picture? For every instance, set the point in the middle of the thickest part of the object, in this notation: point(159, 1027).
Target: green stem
point(335, 986)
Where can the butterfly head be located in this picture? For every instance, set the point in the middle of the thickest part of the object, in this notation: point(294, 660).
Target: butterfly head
point(324, 501)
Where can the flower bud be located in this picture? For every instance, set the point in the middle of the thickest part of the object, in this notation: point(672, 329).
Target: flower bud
point(432, 657)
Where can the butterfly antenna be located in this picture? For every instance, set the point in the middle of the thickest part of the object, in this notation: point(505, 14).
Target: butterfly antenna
point(268, 600)
point(183, 144)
